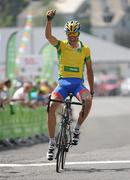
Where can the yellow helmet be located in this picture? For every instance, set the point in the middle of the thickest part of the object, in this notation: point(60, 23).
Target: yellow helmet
point(72, 26)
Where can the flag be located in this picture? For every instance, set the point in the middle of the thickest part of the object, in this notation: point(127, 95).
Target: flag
point(11, 56)
point(49, 55)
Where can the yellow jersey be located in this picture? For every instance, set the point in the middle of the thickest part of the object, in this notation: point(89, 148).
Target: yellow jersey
point(71, 60)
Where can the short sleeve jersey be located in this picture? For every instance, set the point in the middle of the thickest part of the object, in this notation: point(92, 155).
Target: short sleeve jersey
point(71, 61)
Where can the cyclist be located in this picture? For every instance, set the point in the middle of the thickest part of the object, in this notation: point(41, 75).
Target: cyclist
point(72, 55)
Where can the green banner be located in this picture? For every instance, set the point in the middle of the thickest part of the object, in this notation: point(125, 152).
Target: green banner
point(49, 56)
point(11, 56)
point(22, 122)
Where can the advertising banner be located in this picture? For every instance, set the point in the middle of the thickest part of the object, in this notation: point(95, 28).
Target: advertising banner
point(11, 56)
point(2, 72)
point(49, 55)
point(30, 66)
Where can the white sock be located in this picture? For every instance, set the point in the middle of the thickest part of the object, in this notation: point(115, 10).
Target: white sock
point(52, 141)
point(77, 127)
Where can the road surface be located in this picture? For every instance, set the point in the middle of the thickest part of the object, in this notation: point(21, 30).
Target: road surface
point(103, 152)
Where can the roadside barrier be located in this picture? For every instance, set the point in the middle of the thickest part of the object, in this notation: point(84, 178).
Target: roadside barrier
point(20, 122)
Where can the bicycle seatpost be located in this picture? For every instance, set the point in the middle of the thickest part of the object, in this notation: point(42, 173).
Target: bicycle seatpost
point(70, 95)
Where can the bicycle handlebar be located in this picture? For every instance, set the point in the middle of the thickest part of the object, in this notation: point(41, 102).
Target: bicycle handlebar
point(64, 102)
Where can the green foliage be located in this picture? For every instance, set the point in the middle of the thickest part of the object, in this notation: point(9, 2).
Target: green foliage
point(9, 9)
point(46, 2)
point(6, 21)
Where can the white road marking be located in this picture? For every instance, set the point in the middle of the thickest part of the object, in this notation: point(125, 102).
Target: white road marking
point(67, 163)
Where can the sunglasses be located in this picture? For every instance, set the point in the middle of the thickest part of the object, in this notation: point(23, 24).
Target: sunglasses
point(72, 34)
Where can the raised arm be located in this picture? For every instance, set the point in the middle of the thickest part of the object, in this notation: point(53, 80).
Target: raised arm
point(48, 28)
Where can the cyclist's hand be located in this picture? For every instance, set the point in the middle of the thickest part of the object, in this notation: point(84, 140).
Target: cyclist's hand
point(50, 14)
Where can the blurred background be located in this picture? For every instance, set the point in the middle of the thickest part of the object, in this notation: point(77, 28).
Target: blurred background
point(26, 55)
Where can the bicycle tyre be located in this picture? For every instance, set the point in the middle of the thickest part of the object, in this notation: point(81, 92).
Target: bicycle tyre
point(64, 152)
point(59, 151)
point(66, 142)
point(63, 158)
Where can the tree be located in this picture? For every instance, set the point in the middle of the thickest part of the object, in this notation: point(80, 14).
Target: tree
point(9, 9)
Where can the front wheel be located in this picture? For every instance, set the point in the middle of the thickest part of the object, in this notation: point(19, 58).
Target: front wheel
point(63, 158)
point(61, 152)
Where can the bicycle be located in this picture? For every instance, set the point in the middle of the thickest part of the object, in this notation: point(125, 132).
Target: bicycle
point(64, 137)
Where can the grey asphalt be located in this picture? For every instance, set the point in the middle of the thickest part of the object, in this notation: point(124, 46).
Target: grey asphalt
point(105, 136)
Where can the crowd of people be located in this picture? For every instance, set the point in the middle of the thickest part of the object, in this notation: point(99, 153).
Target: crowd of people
point(26, 93)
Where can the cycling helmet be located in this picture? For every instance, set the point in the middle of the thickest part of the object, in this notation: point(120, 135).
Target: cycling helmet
point(72, 26)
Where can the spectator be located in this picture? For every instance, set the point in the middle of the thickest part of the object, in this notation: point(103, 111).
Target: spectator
point(7, 84)
point(44, 86)
point(4, 92)
point(42, 97)
point(22, 95)
point(33, 92)
point(53, 86)
point(2, 95)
